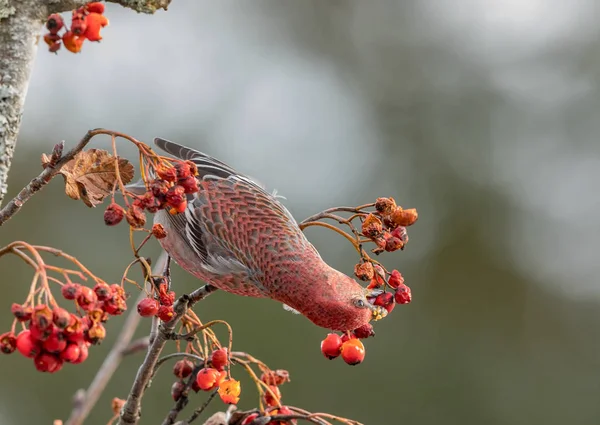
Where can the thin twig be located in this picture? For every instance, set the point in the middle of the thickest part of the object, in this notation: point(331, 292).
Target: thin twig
point(111, 363)
point(202, 408)
point(130, 414)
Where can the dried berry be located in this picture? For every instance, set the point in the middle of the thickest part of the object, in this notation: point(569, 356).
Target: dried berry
point(365, 331)
point(87, 298)
point(249, 419)
point(158, 231)
point(183, 368)
point(402, 217)
point(135, 216)
point(177, 390)
point(8, 342)
point(385, 206)
point(403, 294)
point(364, 271)
point(189, 184)
point(273, 397)
point(95, 7)
point(275, 377)
point(372, 226)
point(183, 169)
point(96, 333)
point(166, 172)
point(393, 244)
point(41, 317)
point(72, 42)
point(159, 188)
point(103, 291)
point(176, 196)
point(113, 214)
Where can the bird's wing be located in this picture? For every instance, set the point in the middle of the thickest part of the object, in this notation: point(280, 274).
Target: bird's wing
point(225, 220)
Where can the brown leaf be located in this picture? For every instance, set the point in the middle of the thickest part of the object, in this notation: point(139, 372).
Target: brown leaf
point(90, 176)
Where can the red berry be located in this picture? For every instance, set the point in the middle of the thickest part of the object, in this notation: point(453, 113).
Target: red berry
point(167, 298)
point(8, 342)
point(331, 346)
point(71, 290)
point(78, 25)
point(87, 298)
point(393, 244)
point(114, 305)
point(159, 188)
point(395, 279)
point(403, 294)
point(56, 342)
point(42, 317)
point(46, 362)
point(21, 312)
point(183, 368)
point(183, 169)
point(54, 23)
point(195, 386)
point(272, 399)
point(61, 317)
point(76, 330)
point(248, 419)
point(400, 233)
point(353, 351)
point(189, 184)
point(208, 378)
point(39, 334)
point(177, 390)
point(71, 352)
point(103, 291)
point(385, 300)
point(166, 172)
point(219, 359)
point(364, 331)
point(147, 307)
point(83, 354)
point(26, 345)
point(113, 214)
point(165, 313)
point(158, 231)
point(176, 196)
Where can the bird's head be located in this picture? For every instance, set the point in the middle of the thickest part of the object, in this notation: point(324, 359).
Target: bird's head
point(342, 304)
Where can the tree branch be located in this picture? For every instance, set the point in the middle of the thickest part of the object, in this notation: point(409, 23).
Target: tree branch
point(20, 24)
point(130, 414)
point(121, 348)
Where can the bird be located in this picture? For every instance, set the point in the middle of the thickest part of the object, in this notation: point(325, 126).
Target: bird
point(241, 239)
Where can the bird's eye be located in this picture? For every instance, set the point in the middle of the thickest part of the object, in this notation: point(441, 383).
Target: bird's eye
point(359, 303)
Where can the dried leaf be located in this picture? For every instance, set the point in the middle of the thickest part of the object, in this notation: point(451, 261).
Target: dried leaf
point(91, 176)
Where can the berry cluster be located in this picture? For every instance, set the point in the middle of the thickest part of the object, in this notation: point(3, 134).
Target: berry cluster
point(388, 228)
point(161, 307)
point(86, 23)
point(52, 335)
point(348, 345)
point(168, 191)
point(212, 376)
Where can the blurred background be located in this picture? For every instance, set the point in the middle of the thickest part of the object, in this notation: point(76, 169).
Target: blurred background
point(481, 114)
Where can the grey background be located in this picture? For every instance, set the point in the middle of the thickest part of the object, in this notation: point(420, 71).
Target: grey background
point(482, 114)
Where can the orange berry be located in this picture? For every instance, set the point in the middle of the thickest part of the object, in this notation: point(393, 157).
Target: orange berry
point(208, 378)
point(219, 359)
point(272, 399)
point(94, 23)
point(95, 7)
point(229, 391)
point(364, 271)
point(353, 351)
point(372, 226)
point(72, 42)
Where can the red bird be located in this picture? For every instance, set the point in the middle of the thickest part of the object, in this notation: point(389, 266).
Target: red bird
point(241, 239)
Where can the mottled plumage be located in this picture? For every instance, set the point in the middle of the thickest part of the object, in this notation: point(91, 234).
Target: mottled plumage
point(241, 239)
